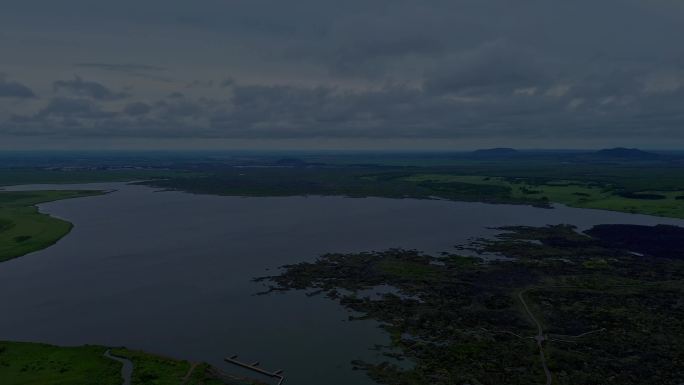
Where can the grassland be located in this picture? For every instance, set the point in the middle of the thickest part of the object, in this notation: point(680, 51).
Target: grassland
point(653, 188)
point(572, 193)
point(149, 369)
point(23, 363)
point(19, 176)
point(28, 363)
point(23, 229)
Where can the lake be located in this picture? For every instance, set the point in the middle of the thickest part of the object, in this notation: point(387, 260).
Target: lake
point(170, 272)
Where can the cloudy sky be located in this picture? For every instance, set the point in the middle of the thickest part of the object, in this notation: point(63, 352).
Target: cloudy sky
point(388, 74)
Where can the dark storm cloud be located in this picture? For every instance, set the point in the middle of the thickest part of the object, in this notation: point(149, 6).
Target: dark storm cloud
point(12, 89)
point(358, 69)
point(85, 88)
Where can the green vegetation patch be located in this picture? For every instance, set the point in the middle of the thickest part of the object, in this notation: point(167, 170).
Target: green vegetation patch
point(154, 370)
point(150, 369)
point(29, 363)
point(634, 328)
point(21, 176)
point(408, 270)
point(24, 363)
point(596, 263)
point(23, 229)
point(644, 189)
point(572, 193)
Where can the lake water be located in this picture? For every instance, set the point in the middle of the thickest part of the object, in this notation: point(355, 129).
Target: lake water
point(170, 272)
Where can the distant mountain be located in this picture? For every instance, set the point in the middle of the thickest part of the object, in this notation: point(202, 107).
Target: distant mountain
point(625, 153)
point(496, 152)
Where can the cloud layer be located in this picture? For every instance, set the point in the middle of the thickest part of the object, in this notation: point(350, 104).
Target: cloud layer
point(15, 90)
point(541, 71)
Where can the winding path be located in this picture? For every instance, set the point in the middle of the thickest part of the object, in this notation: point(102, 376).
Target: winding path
point(189, 373)
point(540, 338)
point(126, 368)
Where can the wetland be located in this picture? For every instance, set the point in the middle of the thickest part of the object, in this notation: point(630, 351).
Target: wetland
point(172, 273)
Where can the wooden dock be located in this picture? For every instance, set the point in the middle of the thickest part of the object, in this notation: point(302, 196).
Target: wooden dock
point(278, 374)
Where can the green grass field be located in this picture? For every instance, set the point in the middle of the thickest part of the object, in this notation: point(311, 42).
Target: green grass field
point(571, 193)
point(25, 363)
point(20, 176)
point(151, 369)
point(23, 229)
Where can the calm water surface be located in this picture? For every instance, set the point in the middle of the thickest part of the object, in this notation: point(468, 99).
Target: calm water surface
point(170, 272)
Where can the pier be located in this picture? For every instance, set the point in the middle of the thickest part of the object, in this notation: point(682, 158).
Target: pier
point(278, 374)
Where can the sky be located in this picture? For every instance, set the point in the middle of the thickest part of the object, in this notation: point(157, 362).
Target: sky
point(330, 74)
